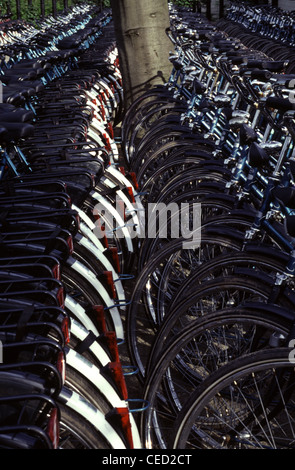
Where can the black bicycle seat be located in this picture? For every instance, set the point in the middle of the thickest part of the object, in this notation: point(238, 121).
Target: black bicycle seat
point(17, 115)
point(15, 131)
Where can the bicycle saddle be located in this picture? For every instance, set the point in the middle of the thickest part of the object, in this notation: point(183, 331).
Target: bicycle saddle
point(222, 100)
point(16, 115)
point(25, 89)
point(290, 224)
point(285, 195)
point(17, 74)
point(56, 56)
point(271, 146)
point(257, 156)
point(15, 131)
point(236, 122)
point(13, 97)
point(281, 104)
point(247, 134)
point(3, 133)
point(34, 63)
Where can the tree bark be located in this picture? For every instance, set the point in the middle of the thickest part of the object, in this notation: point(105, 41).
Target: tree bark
point(143, 45)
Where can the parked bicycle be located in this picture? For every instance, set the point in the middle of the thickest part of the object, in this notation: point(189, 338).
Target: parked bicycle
point(219, 134)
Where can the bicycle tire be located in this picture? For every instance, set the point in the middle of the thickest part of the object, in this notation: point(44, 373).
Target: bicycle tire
point(203, 299)
point(182, 187)
point(131, 120)
point(146, 305)
point(77, 432)
point(268, 363)
point(262, 259)
point(133, 110)
point(152, 187)
point(232, 290)
point(87, 295)
point(156, 160)
point(151, 128)
point(196, 352)
point(95, 384)
point(185, 142)
point(210, 211)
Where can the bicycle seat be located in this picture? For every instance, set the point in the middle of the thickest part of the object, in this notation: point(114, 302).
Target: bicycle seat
point(285, 195)
point(13, 97)
point(271, 146)
point(281, 104)
point(240, 113)
point(17, 115)
point(15, 131)
point(257, 156)
point(6, 107)
point(236, 122)
point(3, 133)
point(58, 56)
point(276, 65)
point(72, 42)
point(290, 224)
point(247, 134)
point(260, 74)
point(198, 87)
point(41, 62)
point(222, 100)
point(26, 90)
point(16, 75)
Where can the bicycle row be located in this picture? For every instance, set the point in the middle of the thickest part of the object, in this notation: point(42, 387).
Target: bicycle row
point(67, 216)
point(210, 322)
point(270, 30)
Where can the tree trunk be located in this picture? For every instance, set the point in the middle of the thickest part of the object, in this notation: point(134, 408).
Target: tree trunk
point(142, 43)
point(18, 9)
point(221, 8)
point(54, 9)
point(42, 8)
point(208, 9)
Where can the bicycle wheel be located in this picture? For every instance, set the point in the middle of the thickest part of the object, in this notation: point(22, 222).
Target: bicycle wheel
point(211, 212)
point(203, 180)
point(247, 404)
point(84, 388)
point(77, 432)
point(197, 352)
point(201, 300)
point(131, 124)
point(214, 295)
point(134, 114)
point(152, 187)
point(152, 162)
point(151, 126)
point(87, 294)
point(113, 224)
point(158, 282)
point(262, 259)
point(104, 389)
point(186, 142)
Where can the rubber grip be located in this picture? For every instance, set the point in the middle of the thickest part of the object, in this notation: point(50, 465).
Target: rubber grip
point(261, 74)
point(285, 79)
point(282, 104)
